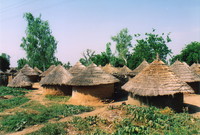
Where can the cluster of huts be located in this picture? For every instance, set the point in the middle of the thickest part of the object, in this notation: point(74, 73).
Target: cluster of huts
point(152, 84)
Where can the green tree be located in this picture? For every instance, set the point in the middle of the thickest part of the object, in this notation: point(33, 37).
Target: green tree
point(190, 54)
point(39, 44)
point(87, 57)
point(4, 62)
point(21, 62)
point(123, 43)
point(148, 47)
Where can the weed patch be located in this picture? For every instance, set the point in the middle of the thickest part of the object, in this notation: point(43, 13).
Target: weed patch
point(12, 91)
point(58, 98)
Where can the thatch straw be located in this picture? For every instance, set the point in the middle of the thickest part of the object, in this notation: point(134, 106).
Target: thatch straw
point(124, 70)
point(58, 76)
point(48, 71)
point(156, 80)
point(20, 80)
point(184, 72)
point(37, 70)
point(92, 76)
point(195, 68)
point(27, 70)
point(108, 68)
point(140, 67)
point(76, 69)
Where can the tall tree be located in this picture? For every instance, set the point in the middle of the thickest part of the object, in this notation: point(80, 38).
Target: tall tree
point(39, 44)
point(190, 54)
point(148, 47)
point(4, 62)
point(123, 43)
point(87, 57)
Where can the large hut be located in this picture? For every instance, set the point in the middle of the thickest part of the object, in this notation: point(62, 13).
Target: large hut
point(184, 72)
point(195, 68)
point(55, 83)
point(31, 73)
point(47, 71)
point(92, 84)
point(21, 81)
point(76, 69)
point(139, 68)
point(108, 68)
point(157, 85)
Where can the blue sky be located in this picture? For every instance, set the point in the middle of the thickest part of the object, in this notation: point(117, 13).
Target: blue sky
point(78, 25)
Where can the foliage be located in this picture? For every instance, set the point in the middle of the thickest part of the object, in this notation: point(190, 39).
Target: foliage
point(190, 54)
point(58, 98)
point(123, 43)
point(51, 129)
point(148, 47)
point(11, 103)
point(4, 62)
point(39, 44)
point(87, 57)
point(21, 62)
point(12, 91)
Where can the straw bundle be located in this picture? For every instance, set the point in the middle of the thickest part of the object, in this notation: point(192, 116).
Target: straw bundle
point(108, 68)
point(48, 71)
point(92, 76)
point(140, 67)
point(156, 79)
point(20, 80)
point(58, 76)
point(184, 72)
point(77, 68)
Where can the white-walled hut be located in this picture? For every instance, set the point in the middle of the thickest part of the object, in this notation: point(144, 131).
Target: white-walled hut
point(140, 68)
point(157, 85)
point(21, 81)
point(92, 84)
point(77, 68)
point(56, 82)
point(30, 72)
point(185, 73)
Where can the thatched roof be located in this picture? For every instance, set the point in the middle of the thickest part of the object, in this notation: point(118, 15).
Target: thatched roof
point(195, 68)
point(92, 76)
point(76, 69)
point(184, 72)
point(156, 80)
point(27, 70)
point(124, 70)
point(48, 70)
point(108, 68)
point(20, 80)
point(58, 76)
point(37, 70)
point(140, 67)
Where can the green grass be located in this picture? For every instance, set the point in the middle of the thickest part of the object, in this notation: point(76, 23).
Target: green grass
point(58, 98)
point(11, 103)
point(12, 91)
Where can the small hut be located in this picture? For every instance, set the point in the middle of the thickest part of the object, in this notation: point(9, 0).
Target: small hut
point(195, 68)
point(47, 71)
point(21, 81)
point(139, 68)
point(31, 73)
point(92, 84)
point(157, 85)
point(76, 69)
point(12, 72)
point(184, 72)
point(108, 68)
point(37, 70)
point(55, 83)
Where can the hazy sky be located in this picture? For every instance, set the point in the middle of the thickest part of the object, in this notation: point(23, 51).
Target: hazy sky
point(78, 25)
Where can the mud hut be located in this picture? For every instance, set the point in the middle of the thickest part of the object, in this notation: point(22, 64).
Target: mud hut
point(47, 71)
point(195, 68)
point(184, 72)
point(139, 68)
point(76, 69)
point(31, 73)
point(21, 81)
point(55, 83)
point(157, 85)
point(92, 84)
point(108, 68)
point(11, 73)
point(124, 70)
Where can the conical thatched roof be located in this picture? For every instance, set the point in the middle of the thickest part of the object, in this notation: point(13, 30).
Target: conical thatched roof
point(37, 70)
point(108, 68)
point(195, 68)
point(48, 70)
point(92, 76)
point(58, 76)
point(76, 69)
point(27, 70)
point(184, 72)
point(20, 80)
point(140, 67)
point(124, 70)
point(156, 79)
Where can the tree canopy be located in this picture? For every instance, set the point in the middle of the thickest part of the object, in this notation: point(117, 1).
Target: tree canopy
point(190, 54)
point(39, 43)
point(4, 62)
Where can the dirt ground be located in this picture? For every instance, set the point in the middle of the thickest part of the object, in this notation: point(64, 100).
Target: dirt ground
point(192, 101)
